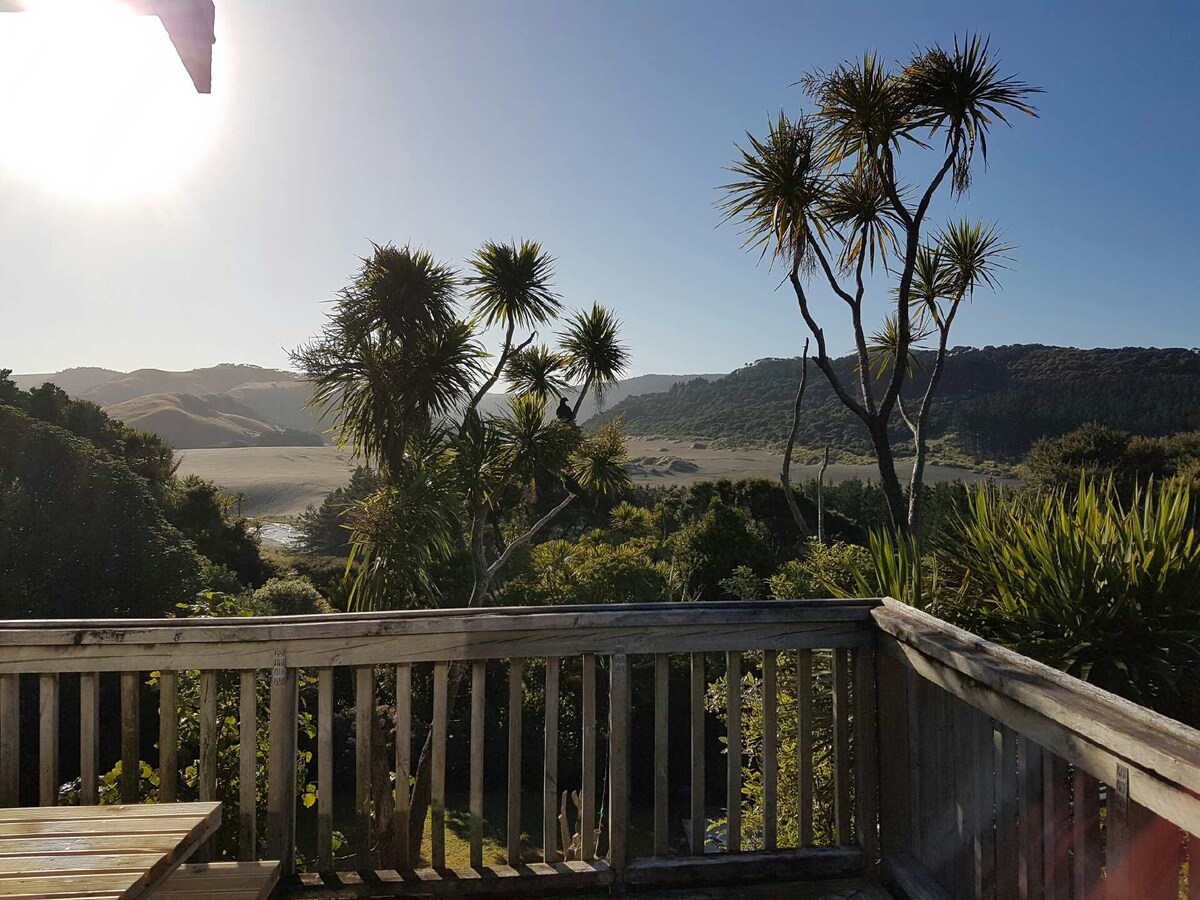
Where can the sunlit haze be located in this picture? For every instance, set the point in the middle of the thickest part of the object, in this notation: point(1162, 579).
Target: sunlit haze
point(95, 104)
point(144, 225)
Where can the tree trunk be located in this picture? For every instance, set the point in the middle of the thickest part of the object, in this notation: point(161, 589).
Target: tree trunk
point(583, 392)
point(785, 472)
point(888, 479)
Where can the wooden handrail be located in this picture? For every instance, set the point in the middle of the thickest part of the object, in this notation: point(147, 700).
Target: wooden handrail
point(449, 635)
point(994, 768)
point(1088, 726)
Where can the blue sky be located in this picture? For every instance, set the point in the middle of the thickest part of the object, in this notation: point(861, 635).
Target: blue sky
point(600, 129)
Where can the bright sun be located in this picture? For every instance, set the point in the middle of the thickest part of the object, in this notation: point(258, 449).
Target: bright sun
point(94, 102)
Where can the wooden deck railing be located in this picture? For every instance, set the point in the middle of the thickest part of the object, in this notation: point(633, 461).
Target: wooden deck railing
point(956, 768)
point(1003, 778)
point(696, 642)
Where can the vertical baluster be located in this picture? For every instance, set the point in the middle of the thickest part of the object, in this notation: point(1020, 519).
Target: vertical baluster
point(841, 746)
point(929, 742)
point(516, 694)
point(984, 833)
point(1087, 861)
point(207, 764)
point(478, 697)
point(1156, 857)
point(1029, 759)
point(168, 736)
point(247, 765)
point(895, 759)
point(364, 709)
point(770, 773)
point(208, 736)
point(89, 725)
point(281, 766)
point(865, 755)
point(437, 785)
point(618, 755)
point(1193, 884)
point(804, 746)
point(10, 739)
point(130, 713)
point(916, 772)
point(404, 856)
point(325, 769)
point(662, 675)
point(1056, 818)
point(48, 739)
point(733, 749)
point(698, 813)
point(1006, 812)
point(1117, 848)
point(587, 813)
point(550, 765)
point(965, 814)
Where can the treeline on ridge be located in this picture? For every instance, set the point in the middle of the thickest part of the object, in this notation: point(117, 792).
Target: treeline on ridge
point(993, 403)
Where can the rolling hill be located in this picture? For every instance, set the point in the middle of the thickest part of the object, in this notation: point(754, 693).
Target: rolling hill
point(993, 402)
point(215, 420)
point(234, 405)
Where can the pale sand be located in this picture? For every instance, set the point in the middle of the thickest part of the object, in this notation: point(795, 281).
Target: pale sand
point(282, 481)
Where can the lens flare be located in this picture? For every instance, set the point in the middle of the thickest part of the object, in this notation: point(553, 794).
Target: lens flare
point(94, 101)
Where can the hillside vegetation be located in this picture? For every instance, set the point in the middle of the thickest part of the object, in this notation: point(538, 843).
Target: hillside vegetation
point(994, 402)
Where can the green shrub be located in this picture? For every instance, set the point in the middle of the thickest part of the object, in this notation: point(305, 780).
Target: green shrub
point(743, 584)
point(825, 570)
point(711, 547)
point(1104, 589)
point(289, 596)
point(81, 535)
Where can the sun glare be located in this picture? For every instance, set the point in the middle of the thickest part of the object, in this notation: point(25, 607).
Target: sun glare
point(94, 101)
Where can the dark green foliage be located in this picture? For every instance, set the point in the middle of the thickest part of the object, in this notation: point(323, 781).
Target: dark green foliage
point(823, 570)
point(293, 595)
point(1129, 460)
point(589, 571)
point(710, 548)
point(1106, 590)
point(323, 529)
point(196, 508)
point(997, 401)
point(145, 453)
point(80, 533)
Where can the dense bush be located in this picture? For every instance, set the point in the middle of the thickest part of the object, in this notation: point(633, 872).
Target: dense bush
point(588, 571)
point(994, 401)
point(711, 547)
point(80, 533)
point(289, 596)
point(1129, 460)
point(144, 452)
point(197, 509)
point(323, 529)
point(1104, 589)
point(825, 570)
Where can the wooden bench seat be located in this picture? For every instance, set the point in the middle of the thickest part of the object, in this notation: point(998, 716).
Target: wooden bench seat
point(221, 881)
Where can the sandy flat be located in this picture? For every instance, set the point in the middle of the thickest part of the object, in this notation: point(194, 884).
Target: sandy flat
point(275, 481)
point(282, 481)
